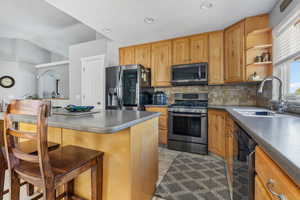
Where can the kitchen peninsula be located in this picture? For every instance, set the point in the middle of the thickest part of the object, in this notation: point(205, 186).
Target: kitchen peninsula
point(129, 140)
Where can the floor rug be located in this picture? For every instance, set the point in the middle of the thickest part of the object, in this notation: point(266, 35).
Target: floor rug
point(194, 177)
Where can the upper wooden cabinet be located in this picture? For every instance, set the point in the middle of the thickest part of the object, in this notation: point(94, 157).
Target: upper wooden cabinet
point(235, 53)
point(216, 132)
point(199, 48)
point(181, 51)
point(216, 58)
point(161, 61)
point(127, 56)
point(143, 55)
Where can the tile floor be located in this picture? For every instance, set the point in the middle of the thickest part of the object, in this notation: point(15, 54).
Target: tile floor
point(166, 157)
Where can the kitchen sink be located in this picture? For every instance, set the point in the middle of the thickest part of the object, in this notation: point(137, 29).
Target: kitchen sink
point(258, 113)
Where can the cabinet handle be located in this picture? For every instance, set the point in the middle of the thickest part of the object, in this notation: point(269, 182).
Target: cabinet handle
point(270, 185)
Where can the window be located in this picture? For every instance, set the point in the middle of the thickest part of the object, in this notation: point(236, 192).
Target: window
point(294, 81)
point(286, 59)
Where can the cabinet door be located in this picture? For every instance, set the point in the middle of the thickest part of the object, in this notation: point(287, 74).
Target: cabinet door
point(260, 191)
point(161, 54)
point(234, 53)
point(229, 143)
point(199, 48)
point(143, 55)
point(216, 132)
point(181, 51)
point(127, 56)
point(216, 58)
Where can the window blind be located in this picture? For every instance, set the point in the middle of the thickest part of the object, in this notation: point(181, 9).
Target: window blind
point(287, 41)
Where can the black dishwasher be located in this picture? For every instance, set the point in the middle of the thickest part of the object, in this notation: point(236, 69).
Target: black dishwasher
point(243, 165)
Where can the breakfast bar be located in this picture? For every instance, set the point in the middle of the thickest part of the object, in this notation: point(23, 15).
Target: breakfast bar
point(129, 140)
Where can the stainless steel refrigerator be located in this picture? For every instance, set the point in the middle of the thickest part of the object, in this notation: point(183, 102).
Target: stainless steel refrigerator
point(126, 87)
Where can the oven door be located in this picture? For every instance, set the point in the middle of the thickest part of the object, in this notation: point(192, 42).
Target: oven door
point(188, 127)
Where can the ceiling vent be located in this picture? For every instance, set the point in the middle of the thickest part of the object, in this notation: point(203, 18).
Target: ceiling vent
point(285, 4)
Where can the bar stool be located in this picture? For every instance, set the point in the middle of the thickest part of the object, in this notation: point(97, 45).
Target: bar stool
point(47, 170)
point(26, 146)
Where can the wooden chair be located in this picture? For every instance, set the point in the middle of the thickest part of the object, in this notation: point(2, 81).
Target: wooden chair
point(47, 170)
point(26, 146)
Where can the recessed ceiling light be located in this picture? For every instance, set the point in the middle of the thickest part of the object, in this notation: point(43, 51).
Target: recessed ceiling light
point(106, 30)
point(206, 5)
point(149, 20)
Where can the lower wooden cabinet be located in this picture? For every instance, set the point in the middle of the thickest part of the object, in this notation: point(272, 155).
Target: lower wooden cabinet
point(260, 191)
point(216, 132)
point(273, 179)
point(163, 123)
point(229, 146)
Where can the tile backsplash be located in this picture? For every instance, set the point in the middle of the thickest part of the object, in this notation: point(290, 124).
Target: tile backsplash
point(231, 95)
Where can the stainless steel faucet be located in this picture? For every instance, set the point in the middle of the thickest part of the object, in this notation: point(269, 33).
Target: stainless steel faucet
point(281, 103)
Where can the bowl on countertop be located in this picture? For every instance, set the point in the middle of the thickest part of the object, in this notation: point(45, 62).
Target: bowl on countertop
point(74, 108)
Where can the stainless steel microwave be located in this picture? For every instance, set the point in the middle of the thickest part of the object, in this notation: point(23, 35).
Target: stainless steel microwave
point(189, 74)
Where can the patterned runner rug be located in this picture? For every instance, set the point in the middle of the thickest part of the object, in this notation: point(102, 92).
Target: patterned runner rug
point(194, 177)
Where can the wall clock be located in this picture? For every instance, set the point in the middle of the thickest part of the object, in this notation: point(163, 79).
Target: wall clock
point(7, 81)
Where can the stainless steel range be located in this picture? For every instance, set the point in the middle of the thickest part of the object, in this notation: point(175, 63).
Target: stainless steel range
point(188, 123)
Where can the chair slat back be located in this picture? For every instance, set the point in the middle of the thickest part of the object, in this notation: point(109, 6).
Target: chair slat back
point(41, 110)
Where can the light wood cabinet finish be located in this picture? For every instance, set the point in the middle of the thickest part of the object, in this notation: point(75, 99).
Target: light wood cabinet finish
point(181, 51)
point(235, 53)
point(199, 48)
point(216, 58)
point(163, 123)
point(216, 132)
point(256, 22)
point(143, 55)
point(268, 170)
point(130, 159)
point(161, 61)
point(229, 146)
point(260, 191)
point(127, 56)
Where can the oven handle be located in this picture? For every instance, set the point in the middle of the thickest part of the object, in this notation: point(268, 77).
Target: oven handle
point(189, 115)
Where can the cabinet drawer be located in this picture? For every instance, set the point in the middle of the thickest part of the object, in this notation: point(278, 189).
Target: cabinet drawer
point(260, 190)
point(162, 110)
point(273, 178)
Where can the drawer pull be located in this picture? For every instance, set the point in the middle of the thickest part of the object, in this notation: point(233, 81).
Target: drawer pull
point(270, 185)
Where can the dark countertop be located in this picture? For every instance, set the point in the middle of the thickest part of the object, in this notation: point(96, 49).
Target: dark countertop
point(278, 136)
point(107, 121)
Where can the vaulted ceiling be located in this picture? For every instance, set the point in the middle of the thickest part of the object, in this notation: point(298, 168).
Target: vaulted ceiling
point(42, 24)
point(125, 18)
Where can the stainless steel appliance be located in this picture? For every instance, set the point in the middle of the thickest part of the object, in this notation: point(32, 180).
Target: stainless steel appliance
point(243, 165)
point(160, 98)
point(190, 74)
point(188, 123)
point(125, 86)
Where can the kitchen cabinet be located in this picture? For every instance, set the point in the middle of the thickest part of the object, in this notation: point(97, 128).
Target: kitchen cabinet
point(216, 58)
point(199, 48)
point(161, 61)
point(235, 53)
point(163, 123)
point(142, 55)
point(273, 179)
point(260, 191)
point(216, 132)
point(127, 56)
point(181, 51)
point(229, 146)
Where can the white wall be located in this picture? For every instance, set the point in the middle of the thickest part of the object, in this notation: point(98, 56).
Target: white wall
point(24, 75)
point(18, 59)
point(276, 16)
point(61, 72)
point(76, 52)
